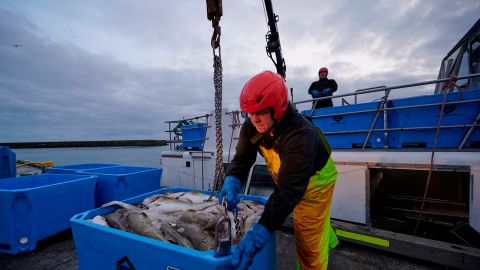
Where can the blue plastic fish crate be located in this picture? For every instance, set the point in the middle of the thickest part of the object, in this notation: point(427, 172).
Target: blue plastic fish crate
point(8, 161)
point(123, 182)
point(193, 136)
point(78, 167)
point(100, 247)
point(352, 128)
point(35, 207)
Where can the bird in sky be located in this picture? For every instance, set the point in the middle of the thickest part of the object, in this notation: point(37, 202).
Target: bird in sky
point(17, 45)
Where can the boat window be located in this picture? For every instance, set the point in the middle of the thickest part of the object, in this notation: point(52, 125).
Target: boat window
point(463, 84)
point(450, 62)
point(449, 66)
point(475, 57)
point(475, 62)
point(261, 183)
point(445, 71)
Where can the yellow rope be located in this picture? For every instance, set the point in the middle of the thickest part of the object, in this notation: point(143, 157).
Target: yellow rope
point(21, 163)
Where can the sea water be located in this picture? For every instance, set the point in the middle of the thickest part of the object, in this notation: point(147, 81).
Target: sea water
point(129, 156)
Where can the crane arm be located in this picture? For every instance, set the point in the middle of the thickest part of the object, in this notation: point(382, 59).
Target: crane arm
point(273, 40)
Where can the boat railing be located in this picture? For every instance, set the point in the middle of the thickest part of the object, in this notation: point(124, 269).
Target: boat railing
point(175, 130)
point(383, 108)
point(359, 92)
point(375, 89)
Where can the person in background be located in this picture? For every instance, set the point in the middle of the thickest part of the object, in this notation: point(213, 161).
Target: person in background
point(322, 88)
point(298, 158)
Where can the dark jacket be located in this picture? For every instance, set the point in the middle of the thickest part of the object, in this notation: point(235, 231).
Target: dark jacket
point(320, 85)
point(299, 146)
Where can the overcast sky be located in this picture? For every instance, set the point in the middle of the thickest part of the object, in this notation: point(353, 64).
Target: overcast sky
point(108, 70)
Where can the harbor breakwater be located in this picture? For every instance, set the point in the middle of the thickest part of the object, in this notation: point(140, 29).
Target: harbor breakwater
point(65, 144)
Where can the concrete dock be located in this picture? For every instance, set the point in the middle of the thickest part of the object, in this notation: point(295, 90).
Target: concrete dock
point(58, 253)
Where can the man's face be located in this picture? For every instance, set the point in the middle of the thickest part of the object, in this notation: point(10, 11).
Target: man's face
point(323, 75)
point(262, 120)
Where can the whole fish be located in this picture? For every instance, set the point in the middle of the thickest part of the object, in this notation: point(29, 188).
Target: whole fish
point(196, 196)
point(169, 205)
point(203, 218)
point(117, 219)
point(173, 195)
point(201, 240)
point(119, 204)
point(151, 199)
point(215, 209)
point(174, 237)
point(245, 208)
point(256, 207)
point(158, 218)
point(139, 223)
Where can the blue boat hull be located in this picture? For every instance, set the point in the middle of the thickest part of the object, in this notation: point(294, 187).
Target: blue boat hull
point(407, 124)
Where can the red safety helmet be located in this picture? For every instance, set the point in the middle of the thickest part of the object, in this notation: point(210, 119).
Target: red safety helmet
point(323, 69)
point(265, 90)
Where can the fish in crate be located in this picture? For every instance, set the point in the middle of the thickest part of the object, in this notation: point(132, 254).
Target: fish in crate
point(189, 219)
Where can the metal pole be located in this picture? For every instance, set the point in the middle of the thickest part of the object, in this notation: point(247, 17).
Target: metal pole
point(385, 125)
point(398, 129)
point(469, 132)
point(384, 101)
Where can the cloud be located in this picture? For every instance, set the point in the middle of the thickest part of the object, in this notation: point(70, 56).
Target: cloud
point(51, 91)
point(94, 70)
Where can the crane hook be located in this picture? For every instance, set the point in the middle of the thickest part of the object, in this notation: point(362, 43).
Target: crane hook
point(214, 12)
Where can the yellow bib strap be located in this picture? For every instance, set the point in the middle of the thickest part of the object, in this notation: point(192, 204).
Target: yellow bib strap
point(273, 162)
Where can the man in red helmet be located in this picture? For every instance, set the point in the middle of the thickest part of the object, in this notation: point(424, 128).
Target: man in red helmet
point(298, 159)
point(324, 87)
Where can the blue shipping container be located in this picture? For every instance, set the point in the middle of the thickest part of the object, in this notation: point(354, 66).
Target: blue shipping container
point(77, 167)
point(100, 247)
point(193, 136)
point(123, 182)
point(8, 161)
point(35, 207)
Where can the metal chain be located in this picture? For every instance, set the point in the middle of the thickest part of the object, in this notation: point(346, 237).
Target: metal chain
point(217, 80)
point(239, 224)
point(214, 10)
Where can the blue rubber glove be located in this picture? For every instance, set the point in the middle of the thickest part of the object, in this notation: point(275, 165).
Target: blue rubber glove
point(231, 188)
point(315, 93)
point(253, 242)
point(327, 91)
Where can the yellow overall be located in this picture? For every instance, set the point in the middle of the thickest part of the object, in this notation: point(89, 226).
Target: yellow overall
point(314, 235)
